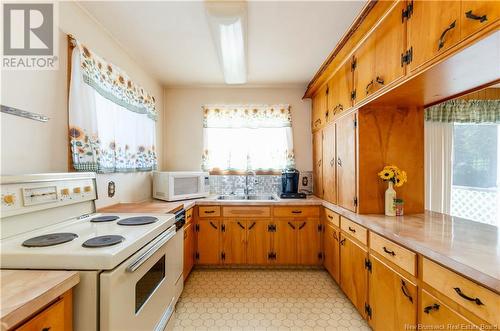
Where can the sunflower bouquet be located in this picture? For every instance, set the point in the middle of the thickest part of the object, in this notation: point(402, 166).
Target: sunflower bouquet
point(393, 174)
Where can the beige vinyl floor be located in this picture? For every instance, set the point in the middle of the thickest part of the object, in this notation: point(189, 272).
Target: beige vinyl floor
point(264, 299)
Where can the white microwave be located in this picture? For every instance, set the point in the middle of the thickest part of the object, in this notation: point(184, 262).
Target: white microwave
point(180, 185)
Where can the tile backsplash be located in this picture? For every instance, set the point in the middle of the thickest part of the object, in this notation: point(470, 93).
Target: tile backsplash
point(235, 184)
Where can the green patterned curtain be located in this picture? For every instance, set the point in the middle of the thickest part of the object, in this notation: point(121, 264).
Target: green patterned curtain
point(465, 111)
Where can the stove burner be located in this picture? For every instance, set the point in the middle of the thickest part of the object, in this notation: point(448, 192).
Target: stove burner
point(50, 239)
point(104, 219)
point(139, 220)
point(103, 241)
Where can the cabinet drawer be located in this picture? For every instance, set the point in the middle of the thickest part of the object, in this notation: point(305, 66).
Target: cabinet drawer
point(332, 218)
point(52, 318)
point(296, 211)
point(354, 230)
point(246, 211)
point(393, 252)
point(189, 216)
point(475, 298)
point(209, 211)
point(436, 314)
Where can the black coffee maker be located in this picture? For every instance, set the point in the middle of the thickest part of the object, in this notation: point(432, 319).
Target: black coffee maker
point(290, 185)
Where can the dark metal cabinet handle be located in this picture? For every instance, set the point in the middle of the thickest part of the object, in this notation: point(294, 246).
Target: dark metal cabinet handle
point(319, 163)
point(251, 226)
point(296, 211)
point(209, 211)
point(441, 39)
point(317, 122)
point(213, 225)
point(302, 226)
point(339, 162)
point(342, 242)
point(352, 230)
point(379, 80)
point(241, 225)
point(476, 300)
point(330, 217)
point(389, 251)
point(332, 162)
point(405, 291)
point(369, 87)
point(471, 16)
point(327, 113)
point(335, 236)
point(428, 309)
point(291, 225)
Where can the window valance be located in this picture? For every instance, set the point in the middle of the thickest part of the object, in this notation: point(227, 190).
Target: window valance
point(465, 111)
point(247, 116)
point(111, 119)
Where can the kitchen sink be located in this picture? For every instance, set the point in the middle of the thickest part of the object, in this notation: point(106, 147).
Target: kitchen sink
point(246, 197)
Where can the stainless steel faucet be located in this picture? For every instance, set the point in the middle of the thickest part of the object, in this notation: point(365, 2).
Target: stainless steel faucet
point(246, 180)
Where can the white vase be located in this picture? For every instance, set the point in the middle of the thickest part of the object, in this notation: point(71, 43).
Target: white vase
point(390, 195)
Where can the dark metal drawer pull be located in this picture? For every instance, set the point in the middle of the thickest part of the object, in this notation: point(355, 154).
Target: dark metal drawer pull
point(251, 226)
point(471, 16)
point(428, 309)
point(241, 226)
point(213, 225)
point(389, 251)
point(330, 217)
point(352, 230)
point(405, 291)
point(476, 300)
point(302, 226)
point(441, 39)
point(209, 211)
point(291, 225)
point(296, 211)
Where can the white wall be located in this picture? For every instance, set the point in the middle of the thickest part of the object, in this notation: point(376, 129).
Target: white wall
point(183, 123)
point(33, 147)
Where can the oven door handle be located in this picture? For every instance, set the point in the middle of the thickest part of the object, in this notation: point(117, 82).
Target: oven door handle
point(151, 250)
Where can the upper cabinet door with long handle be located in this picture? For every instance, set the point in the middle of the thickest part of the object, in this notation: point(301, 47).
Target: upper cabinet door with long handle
point(433, 27)
point(329, 164)
point(475, 15)
point(346, 162)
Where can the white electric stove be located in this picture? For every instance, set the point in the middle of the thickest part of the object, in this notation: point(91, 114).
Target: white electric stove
point(130, 264)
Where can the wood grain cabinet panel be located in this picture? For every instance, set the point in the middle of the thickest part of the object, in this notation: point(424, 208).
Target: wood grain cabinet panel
point(189, 249)
point(331, 258)
point(208, 235)
point(395, 253)
point(364, 73)
point(339, 90)
point(329, 164)
point(297, 211)
point(346, 162)
point(209, 211)
point(285, 242)
point(233, 242)
point(353, 275)
point(56, 317)
point(258, 242)
point(477, 14)
point(319, 108)
point(332, 217)
point(246, 211)
point(318, 163)
point(393, 298)
point(433, 27)
point(354, 230)
point(308, 241)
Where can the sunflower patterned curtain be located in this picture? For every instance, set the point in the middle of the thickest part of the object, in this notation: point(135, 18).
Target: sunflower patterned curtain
point(247, 137)
point(111, 119)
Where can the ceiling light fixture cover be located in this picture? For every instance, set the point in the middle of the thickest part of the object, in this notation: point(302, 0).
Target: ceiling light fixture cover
point(227, 22)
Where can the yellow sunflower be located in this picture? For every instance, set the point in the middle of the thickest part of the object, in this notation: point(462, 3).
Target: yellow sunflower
point(386, 174)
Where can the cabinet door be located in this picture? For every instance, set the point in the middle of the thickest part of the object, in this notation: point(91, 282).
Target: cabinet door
point(308, 241)
point(285, 241)
point(346, 162)
point(317, 163)
point(258, 241)
point(234, 242)
point(364, 74)
point(434, 313)
point(393, 298)
point(389, 45)
point(319, 107)
point(329, 167)
point(353, 275)
point(331, 256)
point(188, 249)
point(208, 242)
point(477, 14)
point(433, 27)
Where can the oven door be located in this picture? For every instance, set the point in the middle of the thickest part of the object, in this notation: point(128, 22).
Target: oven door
point(139, 294)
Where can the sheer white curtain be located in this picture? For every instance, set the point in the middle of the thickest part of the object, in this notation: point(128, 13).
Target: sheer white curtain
point(438, 166)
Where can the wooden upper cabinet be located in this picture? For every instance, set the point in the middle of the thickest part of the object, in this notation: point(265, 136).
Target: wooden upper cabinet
point(475, 15)
point(393, 298)
point(329, 164)
point(208, 242)
point(318, 163)
point(308, 241)
point(346, 162)
point(320, 108)
point(364, 72)
point(339, 90)
point(331, 256)
point(433, 27)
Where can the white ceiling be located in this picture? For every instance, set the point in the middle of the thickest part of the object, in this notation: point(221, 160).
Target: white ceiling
point(287, 40)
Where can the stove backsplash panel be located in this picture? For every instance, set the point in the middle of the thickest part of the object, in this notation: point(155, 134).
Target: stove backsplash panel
point(235, 184)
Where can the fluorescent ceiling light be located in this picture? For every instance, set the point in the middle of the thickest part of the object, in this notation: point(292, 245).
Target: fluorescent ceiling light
point(228, 25)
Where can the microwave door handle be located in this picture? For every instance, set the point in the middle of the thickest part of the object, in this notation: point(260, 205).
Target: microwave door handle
point(151, 250)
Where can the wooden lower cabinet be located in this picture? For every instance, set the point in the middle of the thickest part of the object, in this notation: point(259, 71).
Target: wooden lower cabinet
point(308, 241)
point(208, 251)
point(353, 275)
point(331, 251)
point(258, 242)
point(392, 298)
point(189, 249)
point(56, 317)
point(233, 242)
point(434, 314)
point(285, 241)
